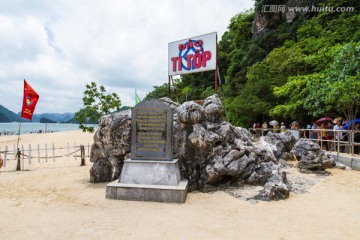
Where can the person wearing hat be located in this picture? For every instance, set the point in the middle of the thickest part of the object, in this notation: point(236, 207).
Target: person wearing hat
point(338, 134)
point(283, 127)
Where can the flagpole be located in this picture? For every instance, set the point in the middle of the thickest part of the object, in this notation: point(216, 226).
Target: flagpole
point(17, 147)
point(30, 99)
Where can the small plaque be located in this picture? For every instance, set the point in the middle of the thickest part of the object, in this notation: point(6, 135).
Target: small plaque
point(151, 137)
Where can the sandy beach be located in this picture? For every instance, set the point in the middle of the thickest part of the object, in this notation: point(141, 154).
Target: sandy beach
point(55, 200)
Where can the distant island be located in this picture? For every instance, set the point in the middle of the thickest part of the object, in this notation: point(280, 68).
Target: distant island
point(46, 120)
point(7, 116)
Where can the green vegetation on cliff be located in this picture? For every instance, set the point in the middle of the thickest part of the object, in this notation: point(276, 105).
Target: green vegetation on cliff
point(298, 69)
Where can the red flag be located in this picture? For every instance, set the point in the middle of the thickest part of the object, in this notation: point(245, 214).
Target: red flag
point(29, 101)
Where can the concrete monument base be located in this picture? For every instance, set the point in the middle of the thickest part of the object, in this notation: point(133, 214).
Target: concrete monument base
point(143, 180)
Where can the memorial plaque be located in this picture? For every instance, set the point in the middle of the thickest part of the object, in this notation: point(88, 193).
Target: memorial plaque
point(151, 137)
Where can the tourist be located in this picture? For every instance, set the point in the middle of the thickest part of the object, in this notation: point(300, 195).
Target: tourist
point(313, 133)
point(322, 136)
point(264, 127)
point(276, 128)
point(283, 127)
point(295, 125)
point(338, 134)
point(307, 131)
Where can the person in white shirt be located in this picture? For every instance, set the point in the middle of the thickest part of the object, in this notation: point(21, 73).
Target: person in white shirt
point(338, 127)
point(338, 135)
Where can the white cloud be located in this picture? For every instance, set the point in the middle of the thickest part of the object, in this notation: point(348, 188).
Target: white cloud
point(60, 46)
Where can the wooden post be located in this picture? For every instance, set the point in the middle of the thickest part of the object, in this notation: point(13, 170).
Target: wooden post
point(29, 154)
point(53, 147)
point(18, 153)
point(68, 151)
point(75, 150)
point(22, 157)
point(46, 155)
point(216, 84)
point(5, 155)
point(15, 156)
point(169, 95)
point(216, 70)
point(82, 148)
point(176, 96)
point(38, 153)
point(88, 150)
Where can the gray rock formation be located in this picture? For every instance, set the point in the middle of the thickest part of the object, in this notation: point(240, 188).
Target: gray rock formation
point(283, 144)
point(311, 157)
point(265, 18)
point(211, 152)
point(112, 145)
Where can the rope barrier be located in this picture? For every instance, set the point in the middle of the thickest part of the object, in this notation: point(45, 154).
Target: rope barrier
point(12, 153)
point(51, 156)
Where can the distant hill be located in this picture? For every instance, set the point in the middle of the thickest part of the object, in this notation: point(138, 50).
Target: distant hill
point(46, 120)
point(8, 116)
point(73, 120)
point(55, 117)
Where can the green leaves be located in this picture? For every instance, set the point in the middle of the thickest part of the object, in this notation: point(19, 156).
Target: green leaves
point(335, 88)
point(96, 104)
point(288, 70)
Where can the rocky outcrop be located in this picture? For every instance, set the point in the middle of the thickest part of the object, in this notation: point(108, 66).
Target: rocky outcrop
point(211, 152)
point(283, 144)
point(311, 157)
point(112, 145)
point(269, 14)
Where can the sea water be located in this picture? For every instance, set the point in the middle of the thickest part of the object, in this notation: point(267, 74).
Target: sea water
point(26, 127)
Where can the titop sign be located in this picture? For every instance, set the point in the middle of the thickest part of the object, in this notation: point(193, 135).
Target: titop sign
point(191, 55)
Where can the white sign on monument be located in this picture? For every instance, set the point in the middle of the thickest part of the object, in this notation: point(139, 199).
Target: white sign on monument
point(196, 54)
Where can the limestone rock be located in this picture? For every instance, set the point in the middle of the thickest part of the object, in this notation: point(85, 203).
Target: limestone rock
point(112, 143)
point(283, 142)
point(211, 152)
point(190, 113)
point(311, 157)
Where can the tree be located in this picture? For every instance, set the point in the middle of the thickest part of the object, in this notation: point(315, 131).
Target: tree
point(96, 104)
point(335, 88)
point(343, 82)
point(158, 92)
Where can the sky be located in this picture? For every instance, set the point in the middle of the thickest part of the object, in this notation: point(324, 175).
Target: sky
point(59, 46)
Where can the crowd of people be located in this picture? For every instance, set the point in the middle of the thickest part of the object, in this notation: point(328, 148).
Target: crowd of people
point(323, 131)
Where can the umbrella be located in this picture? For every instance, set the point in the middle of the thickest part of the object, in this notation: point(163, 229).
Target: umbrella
point(346, 126)
point(337, 119)
point(324, 119)
point(273, 122)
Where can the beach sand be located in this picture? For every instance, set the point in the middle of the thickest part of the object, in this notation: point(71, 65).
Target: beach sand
point(55, 200)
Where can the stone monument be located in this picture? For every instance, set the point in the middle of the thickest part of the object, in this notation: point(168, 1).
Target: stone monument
point(151, 174)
